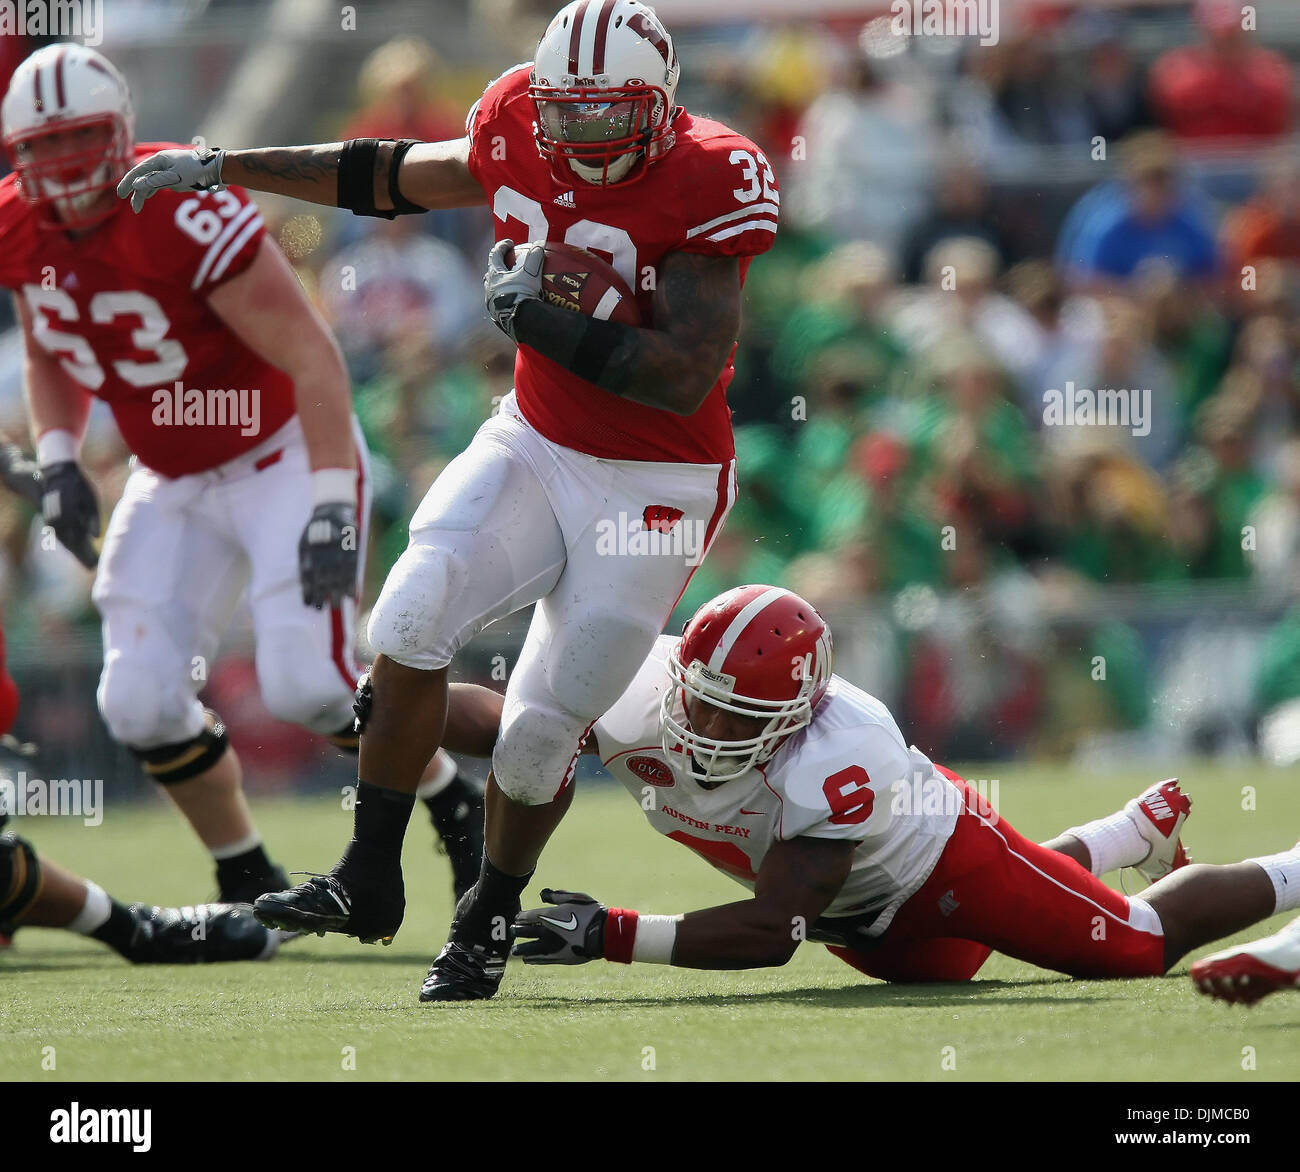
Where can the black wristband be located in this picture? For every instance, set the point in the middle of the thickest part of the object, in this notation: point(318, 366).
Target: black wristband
point(357, 177)
point(402, 205)
point(356, 190)
point(591, 341)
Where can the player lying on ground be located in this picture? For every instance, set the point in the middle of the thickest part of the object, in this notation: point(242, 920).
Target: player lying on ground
point(232, 394)
point(37, 893)
point(1248, 972)
point(608, 423)
point(739, 743)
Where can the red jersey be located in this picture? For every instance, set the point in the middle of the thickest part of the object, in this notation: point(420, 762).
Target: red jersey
point(124, 311)
point(713, 192)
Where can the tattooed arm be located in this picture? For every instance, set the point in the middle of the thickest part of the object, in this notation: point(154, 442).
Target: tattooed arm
point(796, 883)
point(672, 366)
point(433, 174)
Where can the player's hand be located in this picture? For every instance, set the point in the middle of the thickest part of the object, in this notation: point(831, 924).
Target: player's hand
point(70, 508)
point(570, 932)
point(21, 474)
point(174, 170)
point(328, 556)
point(507, 287)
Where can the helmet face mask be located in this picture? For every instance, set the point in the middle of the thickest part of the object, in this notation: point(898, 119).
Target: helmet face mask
point(603, 135)
point(69, 166)
point(710, 761)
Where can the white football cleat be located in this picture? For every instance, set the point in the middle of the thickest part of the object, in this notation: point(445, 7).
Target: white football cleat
point(1159, 814)
point(1244, 974)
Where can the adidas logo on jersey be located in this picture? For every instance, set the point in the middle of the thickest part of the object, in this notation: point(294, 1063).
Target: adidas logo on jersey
point(565, 200)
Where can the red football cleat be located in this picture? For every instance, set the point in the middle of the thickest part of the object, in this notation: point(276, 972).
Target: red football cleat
point(1244, 974)
point(1159, 814)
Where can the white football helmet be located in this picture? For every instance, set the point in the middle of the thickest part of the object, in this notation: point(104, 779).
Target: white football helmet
point(604, 79)
point(69, 129)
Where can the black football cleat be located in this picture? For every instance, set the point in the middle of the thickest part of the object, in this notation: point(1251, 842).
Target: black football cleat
point(457, 816)
point(465, 972)
point(247, 888)
point(207, 934)
point(371, 911)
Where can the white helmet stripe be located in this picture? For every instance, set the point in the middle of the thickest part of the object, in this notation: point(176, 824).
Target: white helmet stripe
point(575, 34)
point(602, 37)
point(737, 627)
point(590, 17)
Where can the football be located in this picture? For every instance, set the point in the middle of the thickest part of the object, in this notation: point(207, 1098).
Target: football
point(581, 281)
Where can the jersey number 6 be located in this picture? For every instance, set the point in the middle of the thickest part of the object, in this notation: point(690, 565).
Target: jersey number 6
point(850, 796)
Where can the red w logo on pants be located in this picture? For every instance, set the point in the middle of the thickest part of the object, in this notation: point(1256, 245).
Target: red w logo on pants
point(660, 518)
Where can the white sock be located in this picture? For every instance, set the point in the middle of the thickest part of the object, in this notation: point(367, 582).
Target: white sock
point(231, 849)
point(1112, 842)
point(444, 775)
point(1284, 871)
point(94, 912)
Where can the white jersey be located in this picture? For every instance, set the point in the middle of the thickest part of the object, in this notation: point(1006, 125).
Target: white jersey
point(848, 775)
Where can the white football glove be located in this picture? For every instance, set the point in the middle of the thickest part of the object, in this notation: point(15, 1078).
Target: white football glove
point(507, 287)
point(174, 170)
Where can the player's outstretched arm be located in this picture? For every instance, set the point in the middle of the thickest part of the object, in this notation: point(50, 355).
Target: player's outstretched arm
point(672, 366)
point(357, 174)
point(796, 883)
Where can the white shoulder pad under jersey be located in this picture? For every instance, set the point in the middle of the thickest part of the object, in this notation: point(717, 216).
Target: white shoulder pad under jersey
point(838, 778)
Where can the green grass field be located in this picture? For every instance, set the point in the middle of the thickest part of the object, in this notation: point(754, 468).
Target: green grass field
point(323, 1000)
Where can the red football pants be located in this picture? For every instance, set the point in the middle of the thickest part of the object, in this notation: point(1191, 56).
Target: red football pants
point(993, 889)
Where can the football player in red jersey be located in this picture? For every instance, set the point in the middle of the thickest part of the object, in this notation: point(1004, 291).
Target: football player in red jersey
point(608, 425)
point(232, 395)
point(738, 742)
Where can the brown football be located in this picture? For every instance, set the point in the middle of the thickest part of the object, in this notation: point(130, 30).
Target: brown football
point(576, 279)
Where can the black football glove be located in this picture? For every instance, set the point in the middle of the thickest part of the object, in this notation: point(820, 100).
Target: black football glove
point(70, 508)
point(573, 932)
point(328, 555)
point(20, 474)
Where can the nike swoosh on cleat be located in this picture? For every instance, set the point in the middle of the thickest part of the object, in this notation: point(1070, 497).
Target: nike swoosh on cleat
point(564, 927)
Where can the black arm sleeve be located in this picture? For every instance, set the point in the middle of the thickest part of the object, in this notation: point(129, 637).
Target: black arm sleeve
point(357, 178)
point(579, 343)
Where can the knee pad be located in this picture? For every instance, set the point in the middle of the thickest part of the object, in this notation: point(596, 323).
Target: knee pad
point(141, 706)
point(20, 877)
point(168, 764)
point(537, 753)
point(416, 622)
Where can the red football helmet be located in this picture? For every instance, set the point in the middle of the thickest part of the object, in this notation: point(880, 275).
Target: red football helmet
point(756, 651)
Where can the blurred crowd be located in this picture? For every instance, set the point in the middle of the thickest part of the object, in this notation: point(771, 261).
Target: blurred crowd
point(969, 235)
